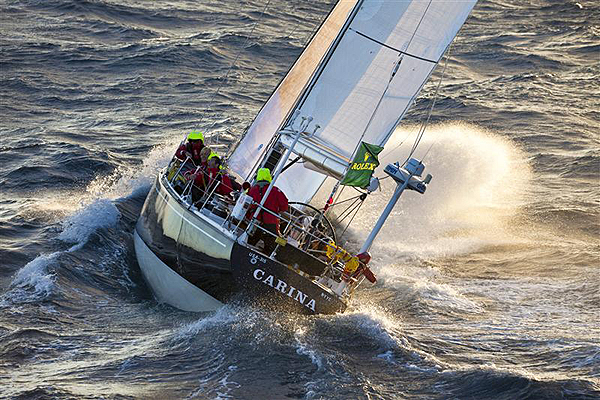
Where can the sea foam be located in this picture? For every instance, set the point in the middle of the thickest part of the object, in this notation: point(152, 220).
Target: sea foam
point(86, 212)
point(32, 282)
point(99, 214)
point(476, 194)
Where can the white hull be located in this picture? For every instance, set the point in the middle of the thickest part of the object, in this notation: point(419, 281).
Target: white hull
point(168, 286)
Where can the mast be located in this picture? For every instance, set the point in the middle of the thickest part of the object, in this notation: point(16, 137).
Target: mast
point(405, 177)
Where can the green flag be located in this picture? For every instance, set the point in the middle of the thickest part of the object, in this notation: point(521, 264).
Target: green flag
point(361, 169)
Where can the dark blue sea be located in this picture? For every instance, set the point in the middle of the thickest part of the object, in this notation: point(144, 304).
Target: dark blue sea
point(488, 284)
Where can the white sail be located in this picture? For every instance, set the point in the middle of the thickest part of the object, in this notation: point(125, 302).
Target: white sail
point(383, 55)
point(382, 34)
point(278, 107)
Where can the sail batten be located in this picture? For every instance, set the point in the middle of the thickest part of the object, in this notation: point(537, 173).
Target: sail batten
point(392, 48)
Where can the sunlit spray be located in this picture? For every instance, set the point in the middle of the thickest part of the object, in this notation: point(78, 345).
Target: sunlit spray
point(477, 191)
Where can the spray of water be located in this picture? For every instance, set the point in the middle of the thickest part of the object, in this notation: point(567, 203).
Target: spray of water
point(133, 180)
point(81, 214)
point(473, 200)
point(477, 188)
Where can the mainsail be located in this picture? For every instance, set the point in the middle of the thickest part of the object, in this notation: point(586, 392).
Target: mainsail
point(361, 81)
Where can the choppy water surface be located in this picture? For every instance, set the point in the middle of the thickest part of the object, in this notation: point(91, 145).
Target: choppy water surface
point(488, 284)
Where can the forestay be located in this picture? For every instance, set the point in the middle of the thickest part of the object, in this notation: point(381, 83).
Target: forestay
point(384, 54)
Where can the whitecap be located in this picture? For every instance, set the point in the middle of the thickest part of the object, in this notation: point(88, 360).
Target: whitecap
point(99, 214)
point(303, 349)
point(32, 282)
point(223, 316)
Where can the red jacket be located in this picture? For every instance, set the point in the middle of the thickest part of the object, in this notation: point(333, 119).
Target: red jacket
point(192, 149)
point(276, 202)
point(199, 180)
point(225, 186)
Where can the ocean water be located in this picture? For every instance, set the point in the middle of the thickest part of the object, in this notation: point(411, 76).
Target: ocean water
point(488, 284)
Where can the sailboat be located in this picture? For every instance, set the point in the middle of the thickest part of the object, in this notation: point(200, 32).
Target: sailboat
point(328, 118)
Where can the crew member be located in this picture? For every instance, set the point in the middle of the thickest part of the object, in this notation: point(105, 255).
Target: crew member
point(354, 267)
point(193, 147)
point(276, 202)
point(360, 269)
point(218, 176)
point(204, 154)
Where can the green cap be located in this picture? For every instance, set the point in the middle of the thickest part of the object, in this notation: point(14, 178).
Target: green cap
point(195, 135)
point(263, 174)
point(213, 154)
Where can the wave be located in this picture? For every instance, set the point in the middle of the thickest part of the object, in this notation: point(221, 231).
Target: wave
point(78, 228)
point(304, 348)
point(499, 383)
point(93, 209)
point(222, 317)
point(41, 393)
point(36, 280)
point(417, 286)
point(32, 282)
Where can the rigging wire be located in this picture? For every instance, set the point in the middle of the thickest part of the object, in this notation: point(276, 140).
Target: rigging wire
point(349, 210)
point(443, 72)
point(392, 75)
point(426, 123)
point(417, 27)
point(352, 219)
point(224, 81)
point(292, 31)
point(357, 202)
point(346, 200)
point(397, 146)
point(401, 55)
